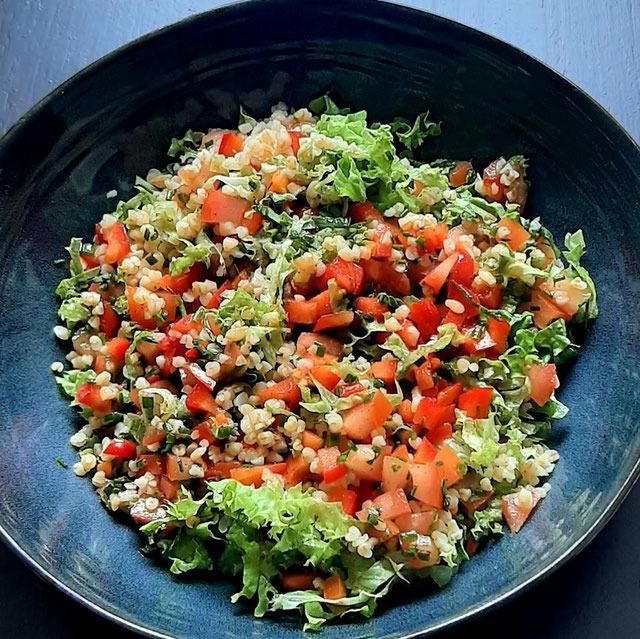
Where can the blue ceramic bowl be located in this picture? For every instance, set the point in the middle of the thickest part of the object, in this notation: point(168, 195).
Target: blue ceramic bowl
point(115, 119)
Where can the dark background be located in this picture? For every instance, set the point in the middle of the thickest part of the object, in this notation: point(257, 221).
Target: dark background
point(595, 43)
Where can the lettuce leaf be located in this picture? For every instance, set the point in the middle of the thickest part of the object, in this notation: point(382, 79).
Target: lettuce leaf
point(576, 248)
point(70, 380)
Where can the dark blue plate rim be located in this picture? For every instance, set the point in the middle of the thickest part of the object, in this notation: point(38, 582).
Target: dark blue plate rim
point(490, 42)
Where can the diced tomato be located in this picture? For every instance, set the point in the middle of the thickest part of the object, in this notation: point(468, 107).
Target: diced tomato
point(120, 449)
point(395, 473)
point(385, 371)
point(153, 464)
point(200, 400)
point(178, 467)
point(385, 277)
point(346, 390)
point(427, 485)
point(476, 402)
point(348, 499)
point(543, 380)
point(323, 303)
point(544, 310)
point(116, 349)
point(203, 432)
point(489, 296)
point(182, 283)
point(458, 174)
point(298, 581)
point(425, 316)
point(425, 453)
point(405, 411)
point(450, 469)
point(117, 243)
point(499, 332)
point(347, 275)
point(88, 395)
point(297, 471)
point(88, 261)
point(449, 394)
point(334, 321)
point(516, 235)
point(168, 488)
point(222, 209)
point(287, 390)
point(137, 312)
point(409, 334)
point(334, 588)
point(221, 470)
point(247, 475)
point(462, 294)
point(420, 522)
point(216, 296)
point(432, 415)
point(440, 433)
point(152, 435)
point(382, 242)
point(105, 467)
point(434, 237)
point(324, 375)
point(371, 307)
point(362, 212)
point(424, 378)
point(334, 474)
point(435, 280)
point(170, 306)
point(477, 502)
point(516, 511)
point(306, 341)
point(327, 459)
point(294, 137)
point(230, 144)
point(301, 311)
point(392, 504)
point(366, 470)
point(566, 295)
point(359, 421)
point(464, 269)
point(493, 189)
point(109, 321)
point(311, 440)
point(402, 452)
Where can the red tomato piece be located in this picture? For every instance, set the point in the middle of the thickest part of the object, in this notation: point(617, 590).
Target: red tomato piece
point(431, 415)
point(301, 311)
point(516, 511)
point(230, 144)
point(116, 349)
point(392, 504)
point(359, 421)
point(543, 380)
point(287, 390)
point(88, 395)
point(395, 473)
point(120, 449)
point(229, 213)
point(200, 400)
point(513, 233)
point(153, 464)
point(434, 237)
point(384, 276)
point(117, 243)
point(371, 307)
point(334, 321)
point(427, 485)
point(109, 321)
point(464, 269)
point(325, 376)
point(458, 174)
point(476, 402)
point(425, 316)
point(347, 275)
point(385, 371)
point(436, 278)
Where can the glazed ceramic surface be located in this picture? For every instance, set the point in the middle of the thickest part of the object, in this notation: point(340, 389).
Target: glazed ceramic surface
point(115, 120)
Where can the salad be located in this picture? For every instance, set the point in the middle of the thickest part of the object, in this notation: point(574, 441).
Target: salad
point(311, 362)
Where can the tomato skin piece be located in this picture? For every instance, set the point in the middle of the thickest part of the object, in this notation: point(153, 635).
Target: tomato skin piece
point(109, 321)
point(347, 275)
point(385, 371)
point(440, 433)
point(116, 349)
point(449, 394)
point(436, 278)
point(464, 269)
point(287, 390)
point(301, 312)
point(371, 307)
point(544, 310)
point(363, 469)
point(392, 504)
point(425, 316)
point(247, 475)
point(220, 470)
point(334, 321)
point(359, 421)
point(182, 283)
point(200, 400)
point(230, 144)
point(516, 513)
point(120, 449)
point(427, 484)
point(151, 463)
point(476, 402)
point(88, 395)
point(220, 208)
point(325, 376)
point(117, 243)
point(516, 235)
point(424, 379)
point(334, 588)
point(395, 473)
point(294, 137)
point(420, 522)
point(543, 380)
point(458, 174)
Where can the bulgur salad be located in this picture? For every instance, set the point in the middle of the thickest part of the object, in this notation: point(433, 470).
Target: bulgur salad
point(307, 360)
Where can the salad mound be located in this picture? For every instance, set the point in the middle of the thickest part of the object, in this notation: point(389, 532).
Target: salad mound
point(308, 360)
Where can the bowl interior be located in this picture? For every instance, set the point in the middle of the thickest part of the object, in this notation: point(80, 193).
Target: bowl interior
point(116, 120)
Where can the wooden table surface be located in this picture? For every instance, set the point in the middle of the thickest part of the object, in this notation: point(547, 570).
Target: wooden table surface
point(595, 43)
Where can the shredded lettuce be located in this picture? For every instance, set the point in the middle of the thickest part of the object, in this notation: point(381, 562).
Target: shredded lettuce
point(576, 248)
point(72, 311)
point(71, 380)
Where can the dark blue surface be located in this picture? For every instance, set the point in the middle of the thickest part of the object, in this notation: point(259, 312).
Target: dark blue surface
point(82, 145)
